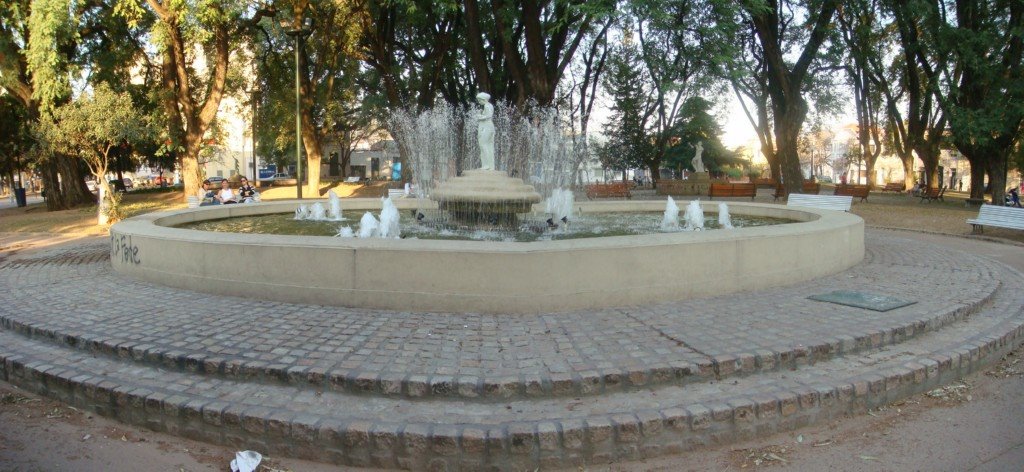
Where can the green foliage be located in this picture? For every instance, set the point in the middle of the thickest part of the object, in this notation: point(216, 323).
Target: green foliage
point(627, 141)
point(696, 124)
point(15, 139)
point(53, 30)
point(113, 209)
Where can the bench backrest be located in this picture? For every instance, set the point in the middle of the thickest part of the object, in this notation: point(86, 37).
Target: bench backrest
point(1007, 217)
point(396, 192)
point(826, 202)
point(852, 190)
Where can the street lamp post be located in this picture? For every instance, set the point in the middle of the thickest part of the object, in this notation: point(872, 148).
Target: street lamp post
point(300, 34)
point(254, 95)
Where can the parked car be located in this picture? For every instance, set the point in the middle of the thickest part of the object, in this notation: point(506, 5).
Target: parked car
point(124, 186)
point(92, 186)
point(215, 181)
point(281, 176)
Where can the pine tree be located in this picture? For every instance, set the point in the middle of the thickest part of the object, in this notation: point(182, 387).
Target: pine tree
point(626, 131)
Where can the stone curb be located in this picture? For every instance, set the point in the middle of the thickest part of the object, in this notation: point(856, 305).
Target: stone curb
point(511, 446)
point(495, 389)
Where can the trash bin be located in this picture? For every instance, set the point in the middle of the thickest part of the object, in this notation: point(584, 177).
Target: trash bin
point(19, 196)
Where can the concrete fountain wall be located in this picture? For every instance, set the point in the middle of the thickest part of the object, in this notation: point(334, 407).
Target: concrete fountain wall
point(488, 277)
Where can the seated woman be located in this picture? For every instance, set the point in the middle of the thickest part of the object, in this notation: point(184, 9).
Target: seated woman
point(225, 196)
point(247, 193)
point(206, 195)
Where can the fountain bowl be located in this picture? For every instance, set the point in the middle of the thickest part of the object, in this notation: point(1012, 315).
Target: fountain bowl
point(485, 276)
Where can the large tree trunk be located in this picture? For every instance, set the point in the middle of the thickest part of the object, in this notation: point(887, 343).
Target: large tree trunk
point(977, 178)
point(55, 200)
point(908, 171)
point(72, 185)
point(789, 117)
point(997, 176)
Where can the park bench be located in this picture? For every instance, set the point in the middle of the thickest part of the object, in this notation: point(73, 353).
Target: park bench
point(810, 188)
point(732, 190)
point(1000, 216)
point(352, 180)
point(614, 189)
point(897, 187)
point(765, 183)
point(932, 194)
point(396, 193)
point(858, 191)
point(825, 202)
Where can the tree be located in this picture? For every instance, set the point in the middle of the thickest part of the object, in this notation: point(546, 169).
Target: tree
point(859, 22)
point(973, 52)
point(42, 45)
point(628, 142)
point(328, 73)
point(518, 51)
point(696, 124)
point(93, 127)
point(778, 38)
point(15, 139)
point(191, 96)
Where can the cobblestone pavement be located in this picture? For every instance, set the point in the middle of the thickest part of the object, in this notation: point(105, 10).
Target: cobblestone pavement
point(460, 391)
point(76, 296)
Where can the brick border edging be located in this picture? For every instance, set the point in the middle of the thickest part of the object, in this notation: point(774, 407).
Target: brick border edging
point(414, 386)
point(598, 439)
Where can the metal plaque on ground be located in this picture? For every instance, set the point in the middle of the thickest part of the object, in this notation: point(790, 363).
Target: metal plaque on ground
point(864, 300)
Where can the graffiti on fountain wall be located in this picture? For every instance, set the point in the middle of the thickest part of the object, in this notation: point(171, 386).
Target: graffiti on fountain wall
point(122, 248)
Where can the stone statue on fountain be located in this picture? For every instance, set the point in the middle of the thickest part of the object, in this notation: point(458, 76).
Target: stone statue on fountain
point(485, 131)
point(485, 195)
point(698, 163)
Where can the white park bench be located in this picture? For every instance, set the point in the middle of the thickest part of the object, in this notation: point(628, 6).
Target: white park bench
point(352, 180)
point(824, 202)
point(1003, 217)
point(396, 193)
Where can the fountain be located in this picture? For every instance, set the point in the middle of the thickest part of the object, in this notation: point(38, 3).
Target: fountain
point(302, 212)
point(694, 216)
point(368, 226)
point(334, 203)
point(484, 174)
point(559, 204)
point(389, 220)
point(724, 219)
point(317, 212)
point(670, 221)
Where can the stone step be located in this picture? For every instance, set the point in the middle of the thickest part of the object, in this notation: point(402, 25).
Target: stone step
point(452, 433)
point(485, 358)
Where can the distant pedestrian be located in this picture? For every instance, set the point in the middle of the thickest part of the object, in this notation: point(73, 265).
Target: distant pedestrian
point(960, 185)
point(1014, 198)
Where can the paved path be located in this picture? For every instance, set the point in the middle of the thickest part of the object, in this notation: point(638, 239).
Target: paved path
point(419, 390)
point(7, 202)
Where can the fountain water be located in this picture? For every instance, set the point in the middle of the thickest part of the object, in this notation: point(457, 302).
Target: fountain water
point(302, 212)
point(317, 212)
point(368, 226)
point(559, 205)
point(334, 204)
point(388, 220)
point(724, 220)
point(532, 157)
point(670, 221)
point(345, 232)
point(694, 216)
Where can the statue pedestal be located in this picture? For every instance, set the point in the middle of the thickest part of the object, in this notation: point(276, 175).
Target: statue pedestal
point(697, 184)
point(489, 196)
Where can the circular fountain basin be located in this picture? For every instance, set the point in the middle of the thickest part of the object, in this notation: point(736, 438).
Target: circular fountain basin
point(485, 276)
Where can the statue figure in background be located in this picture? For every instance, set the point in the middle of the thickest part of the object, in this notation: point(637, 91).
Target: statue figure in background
point(485, 131)
point(698, 163)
